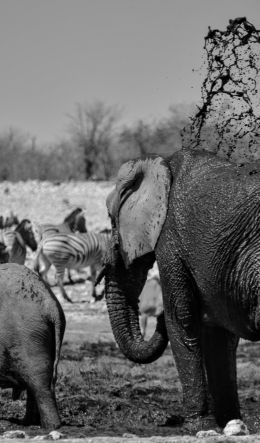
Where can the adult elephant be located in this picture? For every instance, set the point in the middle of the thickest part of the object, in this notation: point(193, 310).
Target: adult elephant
point(199, 217)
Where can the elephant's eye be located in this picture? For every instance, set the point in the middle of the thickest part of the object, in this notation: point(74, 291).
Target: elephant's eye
point(131, 187)
point(124, 193)
point(138, 180)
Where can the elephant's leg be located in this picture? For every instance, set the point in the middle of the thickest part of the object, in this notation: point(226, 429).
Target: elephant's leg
point(60, 276)
point(41, 399)
point(34, 362)
point(220, 360)
point(32, 415)
point(181, 311)
point(46, 403)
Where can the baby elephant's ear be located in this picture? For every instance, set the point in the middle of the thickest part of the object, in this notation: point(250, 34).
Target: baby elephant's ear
point(143, 204)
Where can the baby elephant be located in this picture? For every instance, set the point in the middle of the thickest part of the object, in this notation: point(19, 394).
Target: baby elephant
point(32, 325)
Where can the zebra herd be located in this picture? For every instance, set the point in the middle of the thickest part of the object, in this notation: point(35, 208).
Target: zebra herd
point(65, 245)
point(70, 246)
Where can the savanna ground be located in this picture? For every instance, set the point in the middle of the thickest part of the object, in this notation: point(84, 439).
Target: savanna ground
point(99, 392)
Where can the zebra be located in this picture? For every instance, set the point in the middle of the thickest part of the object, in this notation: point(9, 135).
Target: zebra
point(74, 222)
point(16, 240)
point(72, 251)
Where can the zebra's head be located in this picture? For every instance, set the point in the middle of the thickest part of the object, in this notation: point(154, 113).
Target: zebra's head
point(26, 231)
point(76, 221)
point(80, 223)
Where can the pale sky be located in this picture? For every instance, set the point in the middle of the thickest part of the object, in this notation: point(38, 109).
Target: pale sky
point(138, 54)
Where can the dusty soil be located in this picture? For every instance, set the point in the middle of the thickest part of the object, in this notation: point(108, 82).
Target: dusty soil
point(99, 392)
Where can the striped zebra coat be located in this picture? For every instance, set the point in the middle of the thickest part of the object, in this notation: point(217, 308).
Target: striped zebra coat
point(74, 222)
point(71, 251)
point(16, 240)
point(7, 236)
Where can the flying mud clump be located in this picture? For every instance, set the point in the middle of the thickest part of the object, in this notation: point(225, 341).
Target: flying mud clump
point(228, 121)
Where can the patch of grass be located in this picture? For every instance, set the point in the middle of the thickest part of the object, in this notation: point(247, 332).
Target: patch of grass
point(105, 393)
point(102, 390)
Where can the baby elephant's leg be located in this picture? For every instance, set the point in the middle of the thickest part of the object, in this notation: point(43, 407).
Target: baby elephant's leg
point(32, 415)
point(37, 373)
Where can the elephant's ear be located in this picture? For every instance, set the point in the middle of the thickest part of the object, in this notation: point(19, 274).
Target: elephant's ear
point(142, 193)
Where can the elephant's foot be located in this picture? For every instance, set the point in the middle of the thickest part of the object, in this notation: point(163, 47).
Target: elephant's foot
point(193, 425)
point(202, 423)
point(43, 411)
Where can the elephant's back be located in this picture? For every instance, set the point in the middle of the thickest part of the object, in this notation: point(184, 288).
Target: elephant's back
point(203, 170)
point(18, 280)
point(21, 285)
point(209, 191)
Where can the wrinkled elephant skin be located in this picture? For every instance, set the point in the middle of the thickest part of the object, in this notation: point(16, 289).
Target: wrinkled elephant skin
point(199, 217)
point(32, 326)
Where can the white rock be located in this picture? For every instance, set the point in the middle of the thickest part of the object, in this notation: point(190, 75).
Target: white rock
point(14, 434)
point(205, 434)
point(235, 427)
point(55, 435)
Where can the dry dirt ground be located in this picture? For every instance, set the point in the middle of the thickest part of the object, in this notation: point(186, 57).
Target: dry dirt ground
point(99, 392)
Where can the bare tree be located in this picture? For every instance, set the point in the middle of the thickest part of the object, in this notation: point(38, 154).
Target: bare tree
point(161, 136)
point(137, 138)
point(92, 128)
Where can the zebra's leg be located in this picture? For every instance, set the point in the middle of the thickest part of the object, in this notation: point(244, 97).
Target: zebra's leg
point(60, 276)
point(94, 295)
point(93, 273)
point(71, 281)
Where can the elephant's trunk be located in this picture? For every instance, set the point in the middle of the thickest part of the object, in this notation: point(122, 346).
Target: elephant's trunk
point(123, 288)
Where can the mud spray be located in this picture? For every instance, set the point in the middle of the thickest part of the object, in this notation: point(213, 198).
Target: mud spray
point(228, 121)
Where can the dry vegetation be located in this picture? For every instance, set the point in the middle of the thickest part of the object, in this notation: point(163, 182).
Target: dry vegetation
point(47, 202)
point(99, 392)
